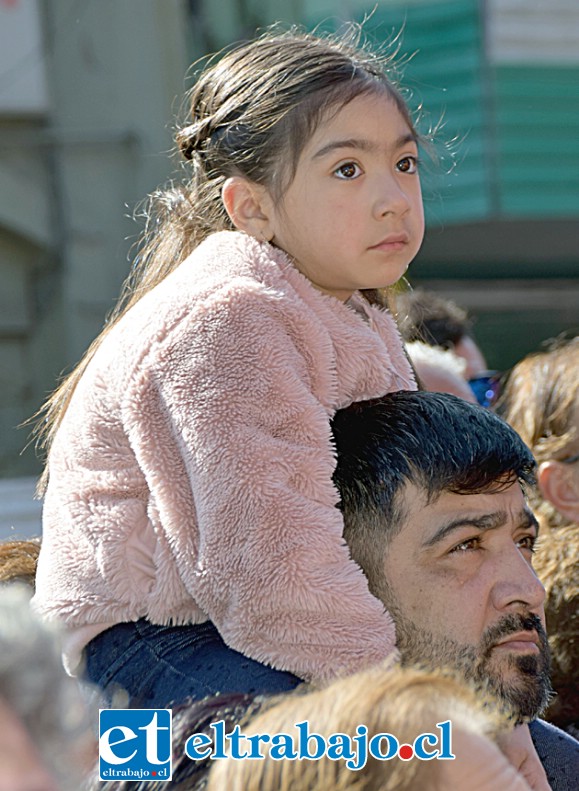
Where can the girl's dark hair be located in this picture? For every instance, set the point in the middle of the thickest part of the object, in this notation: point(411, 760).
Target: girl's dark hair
point(249, 114)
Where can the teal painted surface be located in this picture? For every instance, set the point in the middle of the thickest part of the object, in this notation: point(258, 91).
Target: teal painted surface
point(537, 113)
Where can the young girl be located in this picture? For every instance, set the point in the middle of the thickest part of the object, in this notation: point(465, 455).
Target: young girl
point(191, 540)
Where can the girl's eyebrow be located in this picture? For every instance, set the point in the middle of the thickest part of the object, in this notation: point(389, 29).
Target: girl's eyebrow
point(363, 144)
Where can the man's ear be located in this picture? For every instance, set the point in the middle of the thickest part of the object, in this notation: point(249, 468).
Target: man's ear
point(557, 485)
point(249, 207)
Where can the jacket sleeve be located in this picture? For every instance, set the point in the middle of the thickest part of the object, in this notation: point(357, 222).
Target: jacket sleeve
point(239, 457)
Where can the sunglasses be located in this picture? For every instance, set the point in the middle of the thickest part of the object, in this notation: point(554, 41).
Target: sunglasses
point(486, 387)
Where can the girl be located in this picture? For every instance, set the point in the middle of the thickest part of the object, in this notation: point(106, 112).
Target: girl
point(191, 540)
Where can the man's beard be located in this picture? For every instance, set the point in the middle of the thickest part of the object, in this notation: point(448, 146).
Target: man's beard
point(522, 680)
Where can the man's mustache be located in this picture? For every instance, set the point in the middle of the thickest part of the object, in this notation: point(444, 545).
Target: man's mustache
point(510, 624)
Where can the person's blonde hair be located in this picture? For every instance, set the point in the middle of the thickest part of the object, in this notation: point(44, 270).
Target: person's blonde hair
point(404, 702)
point(18, 561)
point(249, 114)
point(541, 402)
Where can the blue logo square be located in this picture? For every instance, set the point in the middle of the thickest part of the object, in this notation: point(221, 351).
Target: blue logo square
point(135, 744)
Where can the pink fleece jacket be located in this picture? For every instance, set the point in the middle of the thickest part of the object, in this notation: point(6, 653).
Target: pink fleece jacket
point(191, 477)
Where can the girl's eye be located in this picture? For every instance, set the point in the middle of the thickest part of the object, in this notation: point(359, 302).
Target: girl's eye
point(349, 170)
point(407, 165)
point(466, 546)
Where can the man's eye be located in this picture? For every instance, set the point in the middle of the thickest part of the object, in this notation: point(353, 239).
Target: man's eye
point(349, 170)
point(408, 165)
point(527, 542)
point(466, 546)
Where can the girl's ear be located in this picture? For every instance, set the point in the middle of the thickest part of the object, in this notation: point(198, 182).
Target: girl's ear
point(249, 207)
point(559, 486)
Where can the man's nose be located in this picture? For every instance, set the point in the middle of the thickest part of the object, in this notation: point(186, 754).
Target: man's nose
point(516, 585)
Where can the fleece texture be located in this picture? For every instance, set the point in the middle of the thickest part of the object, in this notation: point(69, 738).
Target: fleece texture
point(191, 477)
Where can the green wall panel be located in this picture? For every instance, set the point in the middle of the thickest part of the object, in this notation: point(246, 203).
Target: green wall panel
point(537, 117)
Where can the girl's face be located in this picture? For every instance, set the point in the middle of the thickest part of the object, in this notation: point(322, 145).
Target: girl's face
point(352, 217)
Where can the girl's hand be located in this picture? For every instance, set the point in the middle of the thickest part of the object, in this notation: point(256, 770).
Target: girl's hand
point(518, 747)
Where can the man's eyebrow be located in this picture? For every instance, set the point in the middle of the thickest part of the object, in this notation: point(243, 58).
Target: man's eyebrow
point(528, 519)
point(486, 522)
point(361, 144)
point(482, 523)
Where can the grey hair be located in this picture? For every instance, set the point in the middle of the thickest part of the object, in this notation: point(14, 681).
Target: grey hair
point(34, 683)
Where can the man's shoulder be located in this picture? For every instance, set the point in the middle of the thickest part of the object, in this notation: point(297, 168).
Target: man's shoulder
point(559, 754)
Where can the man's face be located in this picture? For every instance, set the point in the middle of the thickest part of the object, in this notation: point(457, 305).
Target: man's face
point(463, 593)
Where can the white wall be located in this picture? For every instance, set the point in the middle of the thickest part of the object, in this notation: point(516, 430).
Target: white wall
point(533, 31)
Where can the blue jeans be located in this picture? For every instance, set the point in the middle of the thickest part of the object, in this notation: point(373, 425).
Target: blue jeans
point(161, 665)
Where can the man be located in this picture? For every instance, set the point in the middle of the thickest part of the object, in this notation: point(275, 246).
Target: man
point(432, 492)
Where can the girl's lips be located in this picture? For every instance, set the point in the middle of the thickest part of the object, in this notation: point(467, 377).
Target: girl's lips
point(396, 241)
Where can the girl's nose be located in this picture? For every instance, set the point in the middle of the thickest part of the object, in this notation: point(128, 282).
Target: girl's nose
point(390, 198)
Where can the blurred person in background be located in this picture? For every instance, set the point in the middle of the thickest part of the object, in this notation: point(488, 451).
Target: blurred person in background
point(440, 370)
point(430, 318)
point(438, 322)
point(46, 743)
point(541, 401)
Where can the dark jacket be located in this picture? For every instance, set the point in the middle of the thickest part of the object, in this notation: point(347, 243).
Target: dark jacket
point(559, 754)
